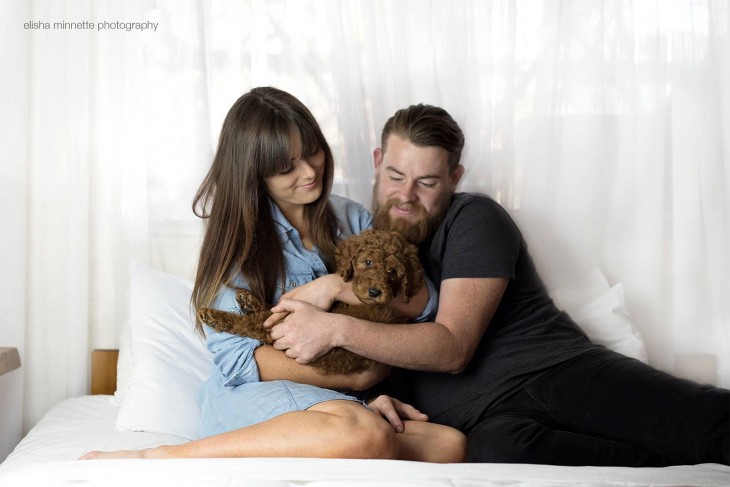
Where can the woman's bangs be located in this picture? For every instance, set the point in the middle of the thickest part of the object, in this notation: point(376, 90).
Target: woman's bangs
point(274, 152)
point(309, 139)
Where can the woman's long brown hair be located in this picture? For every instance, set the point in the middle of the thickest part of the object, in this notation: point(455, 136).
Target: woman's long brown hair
point(240, 233)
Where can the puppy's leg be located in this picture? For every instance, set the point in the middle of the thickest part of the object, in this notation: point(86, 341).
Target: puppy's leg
point(249, 325)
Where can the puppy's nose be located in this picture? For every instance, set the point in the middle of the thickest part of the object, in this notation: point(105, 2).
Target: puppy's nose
point(373, 292)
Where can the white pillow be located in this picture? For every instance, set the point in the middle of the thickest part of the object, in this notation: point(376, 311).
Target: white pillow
point(606, 322)
point(169, 359)
point(601, 313)
point(124, 364)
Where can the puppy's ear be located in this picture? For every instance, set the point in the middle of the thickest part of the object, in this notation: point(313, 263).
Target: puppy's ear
point(345, 256)
point(413, 279)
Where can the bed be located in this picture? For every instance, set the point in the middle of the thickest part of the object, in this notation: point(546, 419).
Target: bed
point(162, 361)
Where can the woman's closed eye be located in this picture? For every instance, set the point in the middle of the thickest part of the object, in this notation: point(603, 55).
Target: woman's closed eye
point(314, 153)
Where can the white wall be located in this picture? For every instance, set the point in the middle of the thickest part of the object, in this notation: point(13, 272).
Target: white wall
point(13, 200)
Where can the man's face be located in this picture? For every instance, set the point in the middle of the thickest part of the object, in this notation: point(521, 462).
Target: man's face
point(413, 187)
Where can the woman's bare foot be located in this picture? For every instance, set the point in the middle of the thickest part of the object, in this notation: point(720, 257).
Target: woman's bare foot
point(121, 454)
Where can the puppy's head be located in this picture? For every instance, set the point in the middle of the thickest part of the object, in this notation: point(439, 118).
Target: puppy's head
point(381, 265)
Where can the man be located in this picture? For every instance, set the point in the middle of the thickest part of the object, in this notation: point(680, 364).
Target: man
point(500, 361)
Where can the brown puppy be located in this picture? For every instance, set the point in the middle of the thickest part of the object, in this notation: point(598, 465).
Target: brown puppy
point(380, 264)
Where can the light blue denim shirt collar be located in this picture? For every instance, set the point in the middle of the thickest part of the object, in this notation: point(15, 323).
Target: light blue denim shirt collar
point(282, 224)
point(288, 235)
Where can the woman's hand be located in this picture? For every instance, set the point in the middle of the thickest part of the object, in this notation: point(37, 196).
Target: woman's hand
point(322, 293)
point(395, 411)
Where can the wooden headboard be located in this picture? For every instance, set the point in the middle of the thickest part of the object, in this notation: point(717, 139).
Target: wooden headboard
point(104, 371)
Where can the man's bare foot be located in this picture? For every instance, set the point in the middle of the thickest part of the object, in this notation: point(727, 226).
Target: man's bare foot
point(121, 454)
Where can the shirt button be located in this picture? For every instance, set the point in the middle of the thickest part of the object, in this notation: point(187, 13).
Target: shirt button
point(292, 284)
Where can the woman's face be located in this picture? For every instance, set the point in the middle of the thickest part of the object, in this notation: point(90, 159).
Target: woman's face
point(301, 183)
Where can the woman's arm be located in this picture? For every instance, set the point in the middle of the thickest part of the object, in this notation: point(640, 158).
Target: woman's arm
point(240, 358)
point(324, 291)
point(275, 365)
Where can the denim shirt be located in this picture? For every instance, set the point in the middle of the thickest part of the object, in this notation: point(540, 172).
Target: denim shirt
point(233, 356)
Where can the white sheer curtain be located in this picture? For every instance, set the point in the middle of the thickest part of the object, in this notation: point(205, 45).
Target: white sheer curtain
point(603, 127)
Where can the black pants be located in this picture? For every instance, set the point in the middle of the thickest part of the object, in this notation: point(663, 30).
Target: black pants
point(602, 408)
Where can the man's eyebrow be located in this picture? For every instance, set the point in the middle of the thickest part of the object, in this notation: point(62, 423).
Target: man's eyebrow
point(425, 176)
point(392, 169)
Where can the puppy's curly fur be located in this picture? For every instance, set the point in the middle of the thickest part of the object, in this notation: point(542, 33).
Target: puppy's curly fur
point(380, 264)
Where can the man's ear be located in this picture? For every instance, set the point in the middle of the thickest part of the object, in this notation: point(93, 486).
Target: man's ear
point(377, 158)
point(455, 176)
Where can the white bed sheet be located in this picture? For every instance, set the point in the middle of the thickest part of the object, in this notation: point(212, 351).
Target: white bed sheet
point(47, 456)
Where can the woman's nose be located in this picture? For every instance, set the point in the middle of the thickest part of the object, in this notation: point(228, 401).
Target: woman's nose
point(305, 169)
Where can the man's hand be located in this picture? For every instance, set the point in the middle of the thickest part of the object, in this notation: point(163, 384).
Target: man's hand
point(395, 411)
point(275, 365)
point(306, 333)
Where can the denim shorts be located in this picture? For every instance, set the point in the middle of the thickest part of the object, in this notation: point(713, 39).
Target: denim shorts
point(229, 408)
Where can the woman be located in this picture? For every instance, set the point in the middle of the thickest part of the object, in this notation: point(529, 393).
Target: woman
point(271, 226)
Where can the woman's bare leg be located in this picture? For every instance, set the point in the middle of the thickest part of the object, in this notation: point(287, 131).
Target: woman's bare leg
point(332, 429)
point(431, 442)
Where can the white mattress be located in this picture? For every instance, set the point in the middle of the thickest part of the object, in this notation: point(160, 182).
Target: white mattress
point(47, 456)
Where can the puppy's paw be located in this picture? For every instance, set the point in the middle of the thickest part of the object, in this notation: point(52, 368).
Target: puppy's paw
point(248, 302)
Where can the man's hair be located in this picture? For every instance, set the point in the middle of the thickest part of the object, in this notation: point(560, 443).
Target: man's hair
point(427, 126)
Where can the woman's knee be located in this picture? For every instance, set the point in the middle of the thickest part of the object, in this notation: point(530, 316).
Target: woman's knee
point(373, 437)
point(361, 433)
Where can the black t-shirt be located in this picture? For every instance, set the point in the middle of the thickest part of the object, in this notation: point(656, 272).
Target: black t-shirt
point(527, 334)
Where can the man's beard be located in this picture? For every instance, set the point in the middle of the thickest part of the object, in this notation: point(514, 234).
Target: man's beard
point(415, 231)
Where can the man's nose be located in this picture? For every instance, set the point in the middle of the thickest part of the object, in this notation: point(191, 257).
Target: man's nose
point(407, 192)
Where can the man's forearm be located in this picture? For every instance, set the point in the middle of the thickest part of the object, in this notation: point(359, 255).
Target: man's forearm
point(418, 346)
point(445, 345)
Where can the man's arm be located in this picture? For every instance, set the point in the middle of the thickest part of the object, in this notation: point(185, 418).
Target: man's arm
point(466, 306)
